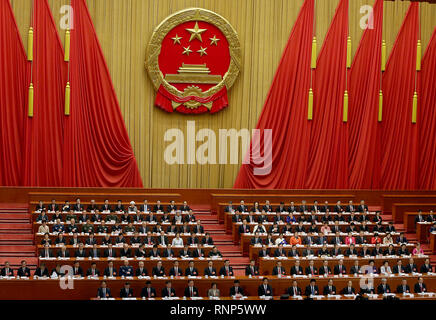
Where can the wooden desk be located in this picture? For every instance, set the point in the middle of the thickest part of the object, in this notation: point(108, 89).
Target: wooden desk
point(228, 220)
point(236, 236)
point(388, 200)
point(71, 249)
point(254, 251)
point(86, 289)
point(423, 232)
point(266, 265)
point(102, 263)
point(246, 240)
point(433, 242)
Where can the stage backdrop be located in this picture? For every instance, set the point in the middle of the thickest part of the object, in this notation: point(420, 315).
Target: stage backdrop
point(124, 28)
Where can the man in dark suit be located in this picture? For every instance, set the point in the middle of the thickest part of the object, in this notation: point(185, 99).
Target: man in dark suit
point(110, 252)
point(53, 207)
point(296, 268)
point(7, 271)
point(304, 207)
point(198, 252)
point(168, 291)
point(78, 206)
point(292, 207)
point(172, 206)
point(229, 207)
point(349, 288)
point(350, 207)
point(104, 292)
point(411, 267)
point(420, 286)
point(338, 207)
point(190, 290)
point(311, 269)
point(158, 270)
point(94, 252)
point(80, 253)
point(158, 207)
point(264, 252)
point(399, 268)
point(126, 292)
point(191, 270)
point(294, 290)
point(93, 271)
point(278, 269)
point(176, 271)
point(362, 206)
point(126, 270)
point(41, 271)
point(252, 269)
point(329, 288)
point(419, 217)
point(426, 267)
point(242, 207)
point(244, 228)
point(265, 289)
point(148, 291)
point(403, 287)
point(141, 271)
point(210, 270)
point(325, 269)
point(77, 269)
point(110, 271)
point(312, 288)
point(106, 207)
point(383, 287)
point(340, 268)
point(236, 289)
point(226, 270)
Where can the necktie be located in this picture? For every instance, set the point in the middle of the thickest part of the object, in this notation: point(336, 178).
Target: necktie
point(252, 270)
point(340, 269)
point(93, 272)
point(404, 289)
point(176, 272)
point(280, 271)
point(311, 270)
point(104, 292)
point(295, 291)
point(192, 292)
point(236, 290)
point(312, 290)
point(149, 295)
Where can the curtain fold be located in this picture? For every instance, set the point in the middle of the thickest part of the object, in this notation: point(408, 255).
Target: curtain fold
point(399, 145)
point(328, 155)
point(14, 77)
point(44, 132)
point(97, 148)
point(427, 117)
point(285, 111)
point(363, 133)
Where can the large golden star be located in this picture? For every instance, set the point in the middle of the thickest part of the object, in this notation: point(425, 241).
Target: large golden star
point(214, 40)
point(196, 32)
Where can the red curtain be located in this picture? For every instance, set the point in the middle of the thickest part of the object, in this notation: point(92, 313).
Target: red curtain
point(286, 108)
point(363, 139)
point(13, 97)
point(44, 132)
point(399, 145)
point(97, 148)
point(427, 118)
point(328, 155)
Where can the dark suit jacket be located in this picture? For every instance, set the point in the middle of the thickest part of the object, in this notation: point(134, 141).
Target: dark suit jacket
point(418, 289)
point(308, 291)
point(292, 292)
point(101, 295)
point(223, 271)
point(262, 292)
point(159, 273)
point(40, 273)
point(168, 293)
point(89, 272)
point(348, 291)
point(10, 273)
point(248, 271)
point(126, 293)
point(401, 290)
point(327, 291)
point(144, 292)
point(107, 274)
point(188, 272)
point(386, 290)
point(143, 273)
point(173, 272)
point(209, 273)
point(188, 292)
point(233, 290)
point(360, 209)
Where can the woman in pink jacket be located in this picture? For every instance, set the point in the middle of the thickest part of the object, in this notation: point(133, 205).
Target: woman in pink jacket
point(350, 239)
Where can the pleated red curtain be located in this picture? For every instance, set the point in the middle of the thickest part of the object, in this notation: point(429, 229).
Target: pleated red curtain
point(427, 117)
point(328, 155)
point(97, 148)
point(13, 97)
point(285, 111)
point(44, 132)
point(399, 144)
point(363, 133)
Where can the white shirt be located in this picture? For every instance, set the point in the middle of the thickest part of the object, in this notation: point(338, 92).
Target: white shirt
point(177, 242)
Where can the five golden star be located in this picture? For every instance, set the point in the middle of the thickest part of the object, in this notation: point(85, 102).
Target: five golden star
point(176, 39)
point(214, 40)
point(196, 32)
point(202, 51)
point(187, 50)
